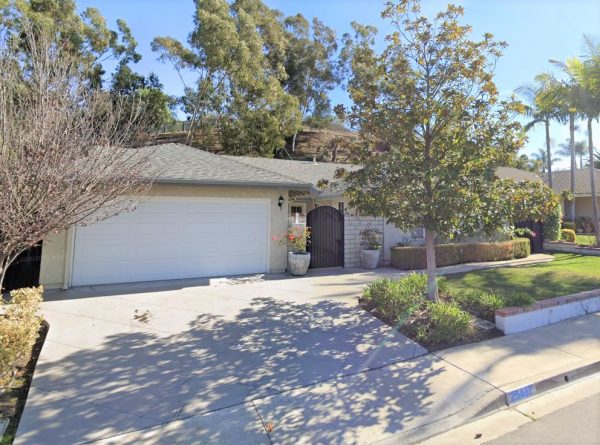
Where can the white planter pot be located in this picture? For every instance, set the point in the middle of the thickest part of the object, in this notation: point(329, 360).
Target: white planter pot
point(369, 259)
point(298, 263)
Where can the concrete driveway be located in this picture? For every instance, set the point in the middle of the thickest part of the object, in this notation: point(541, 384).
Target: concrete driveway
point(196, 357)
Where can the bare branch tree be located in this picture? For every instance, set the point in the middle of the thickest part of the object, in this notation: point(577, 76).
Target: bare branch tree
point(63, 147)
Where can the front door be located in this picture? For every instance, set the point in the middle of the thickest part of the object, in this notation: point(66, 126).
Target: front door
point(327, 237)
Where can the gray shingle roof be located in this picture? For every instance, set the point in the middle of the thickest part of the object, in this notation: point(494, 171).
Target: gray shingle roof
point(180, 163)
point(517, 174)
point(302, 171)
point(561, 180)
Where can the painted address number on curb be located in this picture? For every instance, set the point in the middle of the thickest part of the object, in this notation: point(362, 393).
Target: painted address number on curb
point(517, 395)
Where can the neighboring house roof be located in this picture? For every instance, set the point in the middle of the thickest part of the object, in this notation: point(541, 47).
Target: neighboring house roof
point(178, 163)
point(517, 174)
point(301, 171)
point(561, 180)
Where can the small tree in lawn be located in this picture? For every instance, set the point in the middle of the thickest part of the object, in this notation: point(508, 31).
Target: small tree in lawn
point(63, 159)
point(430, 98)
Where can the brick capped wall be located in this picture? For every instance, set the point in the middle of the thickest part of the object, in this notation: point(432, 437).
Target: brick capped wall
point(353, 225)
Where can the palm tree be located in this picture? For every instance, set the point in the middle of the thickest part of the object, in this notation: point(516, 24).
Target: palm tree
point(580, 150)
point(563, 96)
point(540, 110)
point(542, 156)
point(585, 78)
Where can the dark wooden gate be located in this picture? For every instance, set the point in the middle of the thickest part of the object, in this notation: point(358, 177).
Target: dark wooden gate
point(24, 270)
point(327, 237)
point(537, 242)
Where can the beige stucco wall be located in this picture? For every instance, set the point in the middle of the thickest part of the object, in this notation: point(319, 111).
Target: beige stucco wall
point(54, 250)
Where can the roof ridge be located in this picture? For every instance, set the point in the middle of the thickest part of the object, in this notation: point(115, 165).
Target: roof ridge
point(264, 170)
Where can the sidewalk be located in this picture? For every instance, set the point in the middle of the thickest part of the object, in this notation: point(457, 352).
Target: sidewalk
point(405, 402)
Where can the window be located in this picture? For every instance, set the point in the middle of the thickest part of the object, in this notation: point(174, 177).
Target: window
point(295, 209)
point(341, 207)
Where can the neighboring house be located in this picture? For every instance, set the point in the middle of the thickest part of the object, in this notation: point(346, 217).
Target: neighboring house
point(561, 181)
point(213, 215)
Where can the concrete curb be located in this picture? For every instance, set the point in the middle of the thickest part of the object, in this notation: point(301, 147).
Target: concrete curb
point(532, 389)
point(489, 403)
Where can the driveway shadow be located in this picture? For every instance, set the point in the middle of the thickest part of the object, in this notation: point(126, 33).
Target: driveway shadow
point(140, 378)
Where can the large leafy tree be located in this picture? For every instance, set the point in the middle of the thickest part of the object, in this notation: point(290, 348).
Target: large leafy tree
point(237, 51)
point(311, 68)
point(85, 36)
point(430, 98)
point(144, 93)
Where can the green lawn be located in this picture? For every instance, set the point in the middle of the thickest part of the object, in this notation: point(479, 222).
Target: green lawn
point(567, 274)
point(586, 240)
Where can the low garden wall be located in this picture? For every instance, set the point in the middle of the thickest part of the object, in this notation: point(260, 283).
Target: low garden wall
point(544, 312)
point(413, 258)
point(562, 246)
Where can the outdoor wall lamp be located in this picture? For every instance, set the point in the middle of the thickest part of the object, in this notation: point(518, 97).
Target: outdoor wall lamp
point(280, 201)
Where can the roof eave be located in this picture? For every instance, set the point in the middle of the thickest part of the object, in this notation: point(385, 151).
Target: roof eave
point(262, 184)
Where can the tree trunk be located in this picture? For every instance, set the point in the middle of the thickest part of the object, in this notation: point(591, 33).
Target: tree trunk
point(573, 162)
point(432, 289)
point(593, 181)
point(548, 153)
point(3, 267)
point(294, 141)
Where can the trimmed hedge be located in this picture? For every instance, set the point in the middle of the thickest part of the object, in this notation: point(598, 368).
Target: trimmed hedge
point(413, 258)
point(552, 225)
point(568, 235)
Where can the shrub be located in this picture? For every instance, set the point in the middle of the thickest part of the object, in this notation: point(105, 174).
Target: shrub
point(409, 258)
point(521, 248)
point(481, 304)
point(517, 299)
point(569, 225)
point(552, 225)
point(480, 252)
point(19, 325)
point(395, 300)
point(445, 322)
point(448, 254)
point(567, 235)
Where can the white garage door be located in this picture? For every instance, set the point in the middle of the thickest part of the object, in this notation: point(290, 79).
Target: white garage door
point(174, 238)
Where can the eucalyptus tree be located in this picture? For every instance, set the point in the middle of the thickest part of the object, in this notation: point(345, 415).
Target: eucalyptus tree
point(237, 53)
point(540, 110)
point(430, 98)
point(311, 67)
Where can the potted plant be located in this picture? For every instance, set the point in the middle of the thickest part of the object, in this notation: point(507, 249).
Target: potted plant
point(371, 243)
point(297, 238)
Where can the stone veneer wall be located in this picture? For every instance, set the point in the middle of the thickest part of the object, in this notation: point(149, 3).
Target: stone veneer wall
point(353, 225)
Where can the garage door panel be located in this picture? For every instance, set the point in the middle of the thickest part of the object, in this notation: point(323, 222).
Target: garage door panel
point(169, 239)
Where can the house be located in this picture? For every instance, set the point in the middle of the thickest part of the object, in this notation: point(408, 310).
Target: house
point(561, 181)
point(215, 215)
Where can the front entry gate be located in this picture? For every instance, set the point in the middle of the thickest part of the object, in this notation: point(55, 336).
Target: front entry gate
point(327, 237)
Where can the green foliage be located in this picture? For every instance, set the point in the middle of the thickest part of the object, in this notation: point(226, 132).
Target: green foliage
point(584, 224)
point(568, 235)
point(480, 304)
point(85, 35)
point(569, 225)
point(446, 323)
point(371, 239)
point(142, 94)
point(552, 224)
point(413, 258)
point(517, 299)
point(521, 247)
point(238, 51)
point(19, 325)
point(395, 300)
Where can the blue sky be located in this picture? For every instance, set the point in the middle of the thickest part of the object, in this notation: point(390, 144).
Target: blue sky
point(536, 31)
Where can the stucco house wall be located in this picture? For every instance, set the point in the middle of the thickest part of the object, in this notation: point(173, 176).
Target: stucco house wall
point(54, 262)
